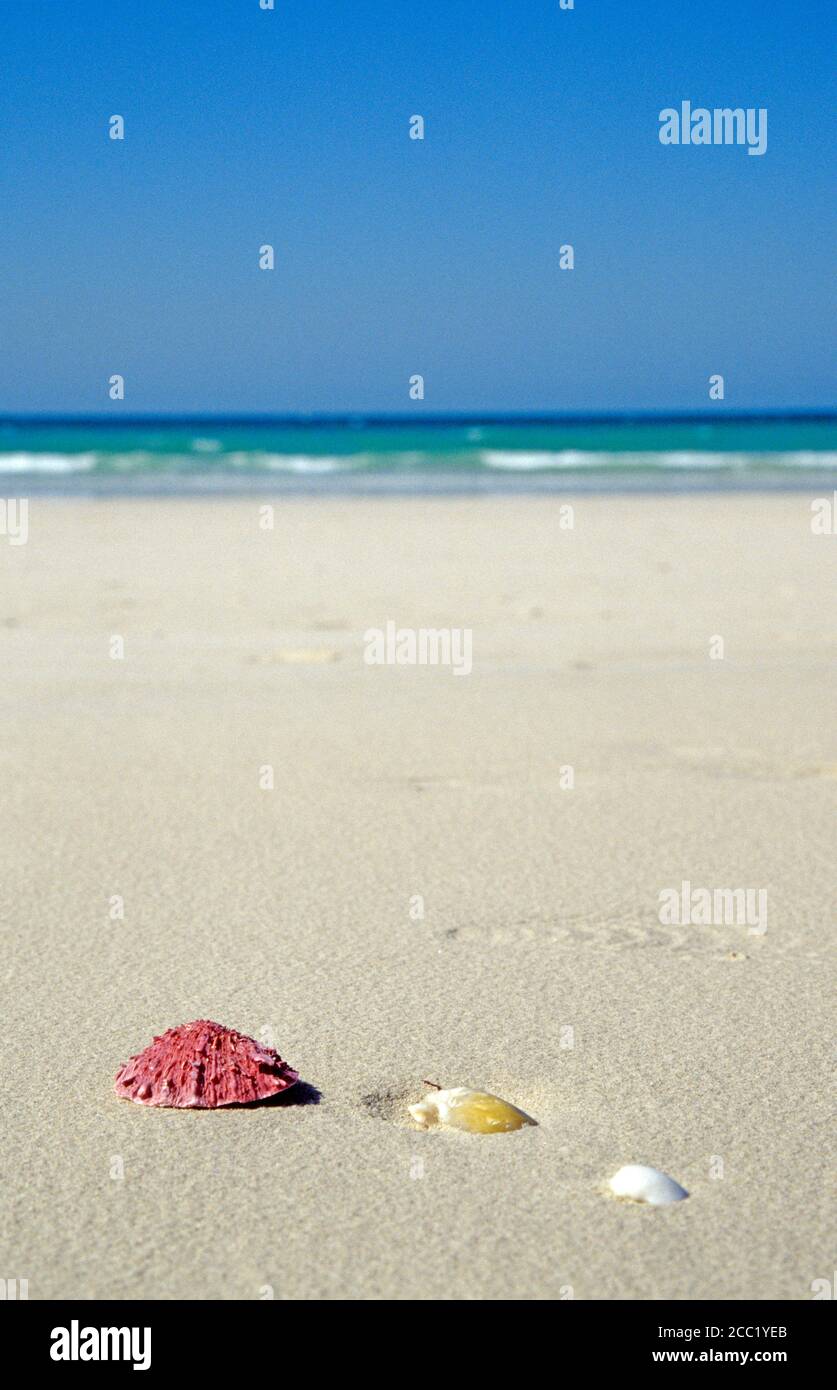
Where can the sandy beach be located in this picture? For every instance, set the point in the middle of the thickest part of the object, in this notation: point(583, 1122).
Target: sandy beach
point(421, 894)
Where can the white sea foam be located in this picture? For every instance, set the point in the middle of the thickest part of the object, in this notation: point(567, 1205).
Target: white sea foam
point(809, 458)
point(146, 461)
point(307, 463)
point(292, 463)
point(524, 461)
point(47, 463)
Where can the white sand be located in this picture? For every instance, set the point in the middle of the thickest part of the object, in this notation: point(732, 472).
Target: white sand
point(286, 913)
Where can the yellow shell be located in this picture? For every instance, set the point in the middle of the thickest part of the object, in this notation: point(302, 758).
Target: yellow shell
point(478, 1112)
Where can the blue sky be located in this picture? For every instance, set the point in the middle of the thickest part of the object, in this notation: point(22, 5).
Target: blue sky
point(395, 256)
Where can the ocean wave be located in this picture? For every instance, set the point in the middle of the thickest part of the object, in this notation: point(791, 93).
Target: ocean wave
point(147, 461)
point(519, 460)
point(258, 460)
point(47, 463)
point(809, 458)
point(312, 463)
point(522, 461)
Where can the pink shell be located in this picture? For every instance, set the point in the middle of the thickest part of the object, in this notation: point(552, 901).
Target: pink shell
point(203, 1065)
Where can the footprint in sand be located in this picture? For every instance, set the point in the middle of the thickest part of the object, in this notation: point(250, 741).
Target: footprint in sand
point(750, 764)
point(390, 1103)
point(625, 930)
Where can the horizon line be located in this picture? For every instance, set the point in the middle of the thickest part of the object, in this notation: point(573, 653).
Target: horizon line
point(375, 419)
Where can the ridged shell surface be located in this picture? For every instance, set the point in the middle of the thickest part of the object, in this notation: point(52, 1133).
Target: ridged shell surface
point(203, 1065)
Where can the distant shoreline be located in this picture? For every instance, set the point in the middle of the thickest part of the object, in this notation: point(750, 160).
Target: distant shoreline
point(406, 487)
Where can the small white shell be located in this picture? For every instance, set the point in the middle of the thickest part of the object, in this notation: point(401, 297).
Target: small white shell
point(639, 1183)
point(478, 1112)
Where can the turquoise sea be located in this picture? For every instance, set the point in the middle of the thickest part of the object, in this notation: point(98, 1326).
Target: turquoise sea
point(106, 456)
